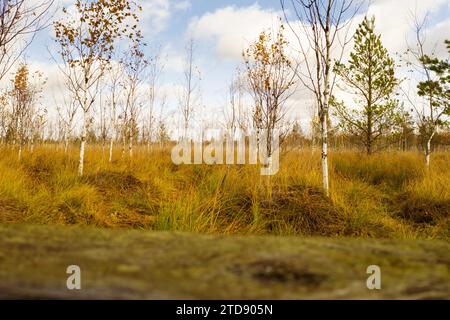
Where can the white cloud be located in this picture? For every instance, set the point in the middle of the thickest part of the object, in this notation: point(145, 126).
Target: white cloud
point(156, 14)
point(232, 28)
point(173, 59)
point(394, 19)
point(435, 36)
point(182, 5)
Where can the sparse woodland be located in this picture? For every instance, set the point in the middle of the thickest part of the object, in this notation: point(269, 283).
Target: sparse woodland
point(373, 162)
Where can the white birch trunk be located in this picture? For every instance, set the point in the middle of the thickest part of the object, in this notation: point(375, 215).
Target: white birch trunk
point(325, 180)
point(82, 146)
point(130, 146)
point(324, 112)
point(428, 151)
point(111, 143)
point(20, 152)
point(66, 145)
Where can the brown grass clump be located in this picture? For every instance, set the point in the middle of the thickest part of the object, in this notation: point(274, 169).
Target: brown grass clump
point(302, 210)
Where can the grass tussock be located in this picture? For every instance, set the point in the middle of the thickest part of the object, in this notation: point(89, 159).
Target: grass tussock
point(387, 195)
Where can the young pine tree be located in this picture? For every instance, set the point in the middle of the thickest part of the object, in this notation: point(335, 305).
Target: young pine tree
point(369, 77)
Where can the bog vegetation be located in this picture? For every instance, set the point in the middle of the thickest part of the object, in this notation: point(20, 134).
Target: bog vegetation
point(386, 195)
point(363, 167)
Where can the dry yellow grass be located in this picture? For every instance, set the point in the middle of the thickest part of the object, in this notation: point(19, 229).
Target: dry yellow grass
point(388, 195)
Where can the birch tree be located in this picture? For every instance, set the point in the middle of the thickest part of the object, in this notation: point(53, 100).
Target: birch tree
point(135, 65)
point(162, 133)
point(436, 88)
point(67, 111)
point(86, 42)
point(115, 99)
point(103, 123)
point(235, 114)
point(271, 79)
point(4, 116)
point(432, 87)
point(37, 123)
point(322, 30)
point(156, 68)
point(189, 95)
point(24, 94)
point(20, 20)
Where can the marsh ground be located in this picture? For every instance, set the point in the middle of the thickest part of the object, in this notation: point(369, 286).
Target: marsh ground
point(130, 264)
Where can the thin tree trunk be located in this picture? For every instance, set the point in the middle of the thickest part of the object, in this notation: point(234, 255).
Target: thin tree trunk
point(124, 144)
point(111, 143)
point(324, 111)
point(66, 145)
point(130, 146)
point(369, 138)
point(428, 151)
point(103, 149)
point(325, 180)
point(20, 152)
point(82, 146)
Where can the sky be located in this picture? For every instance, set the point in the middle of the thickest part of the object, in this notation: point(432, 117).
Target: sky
point(221, 29)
